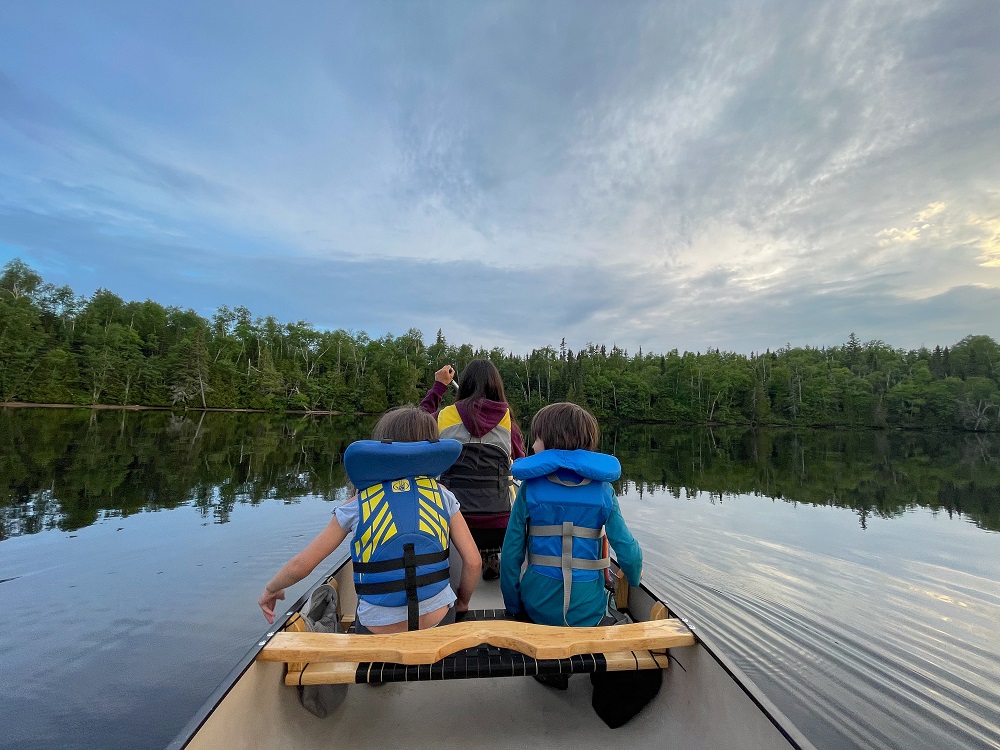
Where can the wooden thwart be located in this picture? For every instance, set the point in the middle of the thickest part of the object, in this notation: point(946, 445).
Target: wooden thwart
point(430, 646)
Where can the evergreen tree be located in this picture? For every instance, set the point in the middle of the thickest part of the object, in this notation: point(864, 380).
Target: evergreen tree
point(57, 347)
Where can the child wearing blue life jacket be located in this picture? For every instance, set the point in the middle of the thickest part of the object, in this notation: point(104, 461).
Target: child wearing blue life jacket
point(564, 501)
point(401, 523)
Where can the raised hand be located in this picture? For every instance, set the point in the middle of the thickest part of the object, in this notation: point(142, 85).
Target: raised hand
point(445, 375)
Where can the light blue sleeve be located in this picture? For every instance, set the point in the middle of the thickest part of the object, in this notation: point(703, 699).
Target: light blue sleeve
point(624, 544)
point(347, 515)
point(450, 501)
point(512, 554)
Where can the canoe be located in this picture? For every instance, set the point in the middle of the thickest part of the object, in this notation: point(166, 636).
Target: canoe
point(466, 685)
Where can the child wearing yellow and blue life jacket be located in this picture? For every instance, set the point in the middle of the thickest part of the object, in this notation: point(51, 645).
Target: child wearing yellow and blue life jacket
point(402, 523)
point(564, 502)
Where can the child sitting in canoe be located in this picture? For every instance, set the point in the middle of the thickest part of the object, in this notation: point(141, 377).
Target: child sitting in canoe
point(401, 523)
point(564, 501)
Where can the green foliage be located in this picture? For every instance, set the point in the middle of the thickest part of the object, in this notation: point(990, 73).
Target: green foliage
point(56, 347)
point(22, 340)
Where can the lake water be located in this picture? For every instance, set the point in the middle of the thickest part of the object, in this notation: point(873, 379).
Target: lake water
point(853, 576)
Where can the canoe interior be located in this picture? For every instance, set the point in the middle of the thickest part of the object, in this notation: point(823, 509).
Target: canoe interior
point(705, 703)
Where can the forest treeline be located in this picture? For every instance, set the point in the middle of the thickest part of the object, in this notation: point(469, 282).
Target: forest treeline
point(69, 468)
point(59, 347)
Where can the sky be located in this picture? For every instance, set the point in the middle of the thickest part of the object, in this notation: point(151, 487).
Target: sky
point(736, 174)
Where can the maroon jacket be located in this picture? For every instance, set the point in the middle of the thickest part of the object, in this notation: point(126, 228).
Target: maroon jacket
point(490, 414)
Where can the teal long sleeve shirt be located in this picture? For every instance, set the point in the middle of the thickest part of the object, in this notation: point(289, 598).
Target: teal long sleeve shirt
point(540, 596)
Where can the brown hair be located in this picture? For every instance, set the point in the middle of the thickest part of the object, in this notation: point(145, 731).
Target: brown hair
point(480, 379)
point(407, 424)
point(566, 427)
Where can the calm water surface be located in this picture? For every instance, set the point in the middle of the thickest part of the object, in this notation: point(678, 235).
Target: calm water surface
point(854, 576)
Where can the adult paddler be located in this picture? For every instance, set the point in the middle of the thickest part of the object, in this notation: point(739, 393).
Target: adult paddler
point(482, 421)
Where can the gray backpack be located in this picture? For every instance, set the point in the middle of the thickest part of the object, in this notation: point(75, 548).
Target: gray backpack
point(320, 616)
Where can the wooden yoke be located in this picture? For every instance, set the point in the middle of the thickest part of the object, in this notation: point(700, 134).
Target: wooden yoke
point(434, 644)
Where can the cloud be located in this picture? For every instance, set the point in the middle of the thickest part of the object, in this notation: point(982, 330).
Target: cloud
point(931, 211)
point(724, 174)
point(988, 230)
point(475, 303)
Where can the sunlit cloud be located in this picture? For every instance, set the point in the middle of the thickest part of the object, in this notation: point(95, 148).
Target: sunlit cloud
point(989, 244)
point(895, 234)
point(725, 174)
point(917, 229)
point(931, 211)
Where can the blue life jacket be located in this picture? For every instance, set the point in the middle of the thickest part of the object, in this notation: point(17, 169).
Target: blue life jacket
point(400, 545)
point(568, 503)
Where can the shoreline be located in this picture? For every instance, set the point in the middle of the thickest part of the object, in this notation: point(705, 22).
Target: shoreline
point(137, 407)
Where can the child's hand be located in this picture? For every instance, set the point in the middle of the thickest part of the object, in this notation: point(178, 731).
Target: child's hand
point(445, 375)
point(267, 602)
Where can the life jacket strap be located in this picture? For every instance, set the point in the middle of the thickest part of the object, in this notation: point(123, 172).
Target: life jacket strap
point(410, 581)
point(566, 562)
point(481, 482)
point(393, 587)
point(398, 563)
point(580, 532)
point(460, 480)
point(567, 531)
point(578, 563)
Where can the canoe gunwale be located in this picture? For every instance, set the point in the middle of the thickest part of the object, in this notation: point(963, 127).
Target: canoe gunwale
point(219, 694)
point(781, 722)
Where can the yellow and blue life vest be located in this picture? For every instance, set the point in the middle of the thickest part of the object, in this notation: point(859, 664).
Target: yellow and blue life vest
point(400, 546)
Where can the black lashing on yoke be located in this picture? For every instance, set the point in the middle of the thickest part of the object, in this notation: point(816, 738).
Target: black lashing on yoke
point(487, 661)
point(479, 662)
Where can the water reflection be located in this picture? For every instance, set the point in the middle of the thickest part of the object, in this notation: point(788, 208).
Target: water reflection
point(881, 474)
point(882, 637)
point(849, 597)
point(67, 468)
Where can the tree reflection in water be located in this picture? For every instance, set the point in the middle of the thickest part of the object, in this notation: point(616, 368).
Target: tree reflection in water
point(67, 468)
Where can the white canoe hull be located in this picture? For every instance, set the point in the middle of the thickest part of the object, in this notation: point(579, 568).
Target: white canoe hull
point(705, 703)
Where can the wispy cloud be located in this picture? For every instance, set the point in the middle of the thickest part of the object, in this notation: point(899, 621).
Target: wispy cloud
point(732, 174)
